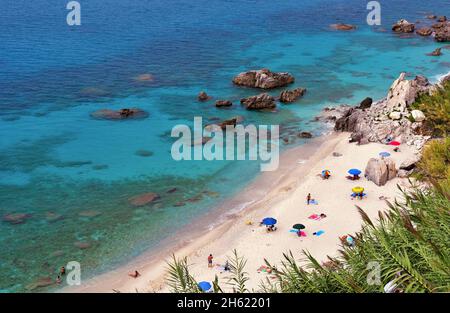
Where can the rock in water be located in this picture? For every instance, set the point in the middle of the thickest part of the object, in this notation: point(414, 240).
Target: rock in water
point(203, 96)
point(366, 103)
point(424, 31)
point(305, 135)
point(122, 114)
point(380, 171)
point(143, 199)
point(259, 102)
point(437, 52)
point(442, 19)
point(16, 218)
point(403, 26)
point(223, 103)
point(442, 31)
point(264, 79)
point(344, 27)
point(288, 96)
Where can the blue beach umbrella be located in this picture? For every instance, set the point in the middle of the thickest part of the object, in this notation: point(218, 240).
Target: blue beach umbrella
point(385, 154)
point(204, 285)
point(354, 171)
point(269, 221)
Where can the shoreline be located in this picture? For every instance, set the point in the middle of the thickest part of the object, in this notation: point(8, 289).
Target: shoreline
point(206, 229)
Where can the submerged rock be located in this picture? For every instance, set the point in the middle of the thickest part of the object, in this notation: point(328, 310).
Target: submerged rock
point(345, 27)
point(223, 103)
point(122, 114)
point(203, 96)
point(264, 79)
point(16, 218)
point(259, 102)
point(144, 199)
point(145, 78)
point(40, 283)
point(288, 96)
point(403, 26)
point(82, 245)
point(89, 213)
point(144, 153)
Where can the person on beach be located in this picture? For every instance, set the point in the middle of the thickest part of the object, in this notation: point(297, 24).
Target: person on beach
point(210, 261)
point(62, 271)
point(226, 267)
point(134, 274)
point(58, 280)
point(308, 198)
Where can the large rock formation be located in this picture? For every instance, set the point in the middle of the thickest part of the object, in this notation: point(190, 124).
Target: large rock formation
point(442, 31)
point(403, 26)
point(288, 96)
point(264, 79)
point(380, 171)
point(122, 114)
point(424, 31)
point(259, 102)
point(390, 116)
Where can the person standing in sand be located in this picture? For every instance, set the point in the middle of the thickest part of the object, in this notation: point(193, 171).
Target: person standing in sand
point(210, 261)
point(308, 198)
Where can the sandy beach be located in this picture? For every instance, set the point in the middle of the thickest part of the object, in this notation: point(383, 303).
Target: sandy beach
point(286, 201)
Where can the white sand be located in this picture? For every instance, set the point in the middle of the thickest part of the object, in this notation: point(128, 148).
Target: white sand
point(286, 203)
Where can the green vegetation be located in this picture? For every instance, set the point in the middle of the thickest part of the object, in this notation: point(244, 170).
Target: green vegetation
point(436, 108)
point(435, 163)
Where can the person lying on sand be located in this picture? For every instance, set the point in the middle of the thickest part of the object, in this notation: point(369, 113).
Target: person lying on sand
point(134, 274)
point(271, 228)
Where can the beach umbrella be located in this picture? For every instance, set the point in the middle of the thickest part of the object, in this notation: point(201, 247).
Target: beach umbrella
point(354, 171)
point(394, 143)
point(269, 221)
point(384, 154)
point(298, 226)
point(358, 189)
point(204, 286)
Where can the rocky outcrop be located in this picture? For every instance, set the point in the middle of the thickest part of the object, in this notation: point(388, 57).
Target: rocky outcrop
point(424, 31)
point(403, 26)
point(442, 31)
point(344, 27)
point(442, 19)
point(223, 103)
point(143, 199)
point(122, 114)
point(437, 52)
point(417, 115)
point(288, 96)
point(331, 114)
point(410, 163)
point(389, 117)
point(203, 96)
point(264, 79)
point(380, 171)
point(259, 102)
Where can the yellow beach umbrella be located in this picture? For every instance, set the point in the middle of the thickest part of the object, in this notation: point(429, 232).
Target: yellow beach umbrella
point(358, 189)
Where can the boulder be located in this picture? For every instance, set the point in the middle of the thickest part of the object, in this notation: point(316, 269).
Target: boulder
point(410, 163)
point(259, 102)
point(395, 115)
point(417, 115)
point(264, 79)
point(442, 32)
point(306, 135)
point(424, 31)
point(344, 27)
point(203, 96)
point(122, 114)
point(437, 52)
point(380, 171)
point(288, 96)
point(143, 199)
point(366, 103)
point(403, 26)
point(223, 103)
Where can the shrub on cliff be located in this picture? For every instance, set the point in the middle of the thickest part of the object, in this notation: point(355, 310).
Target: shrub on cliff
point(436, 108)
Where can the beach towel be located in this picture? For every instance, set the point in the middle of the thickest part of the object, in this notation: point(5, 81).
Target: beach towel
point(315, 217)
point(313, 201)
point(318, 233)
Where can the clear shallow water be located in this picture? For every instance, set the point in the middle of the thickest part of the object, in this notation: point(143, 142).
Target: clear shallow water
point(56, 162)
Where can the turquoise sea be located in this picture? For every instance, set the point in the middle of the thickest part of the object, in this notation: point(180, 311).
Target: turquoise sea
point(72, 176)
